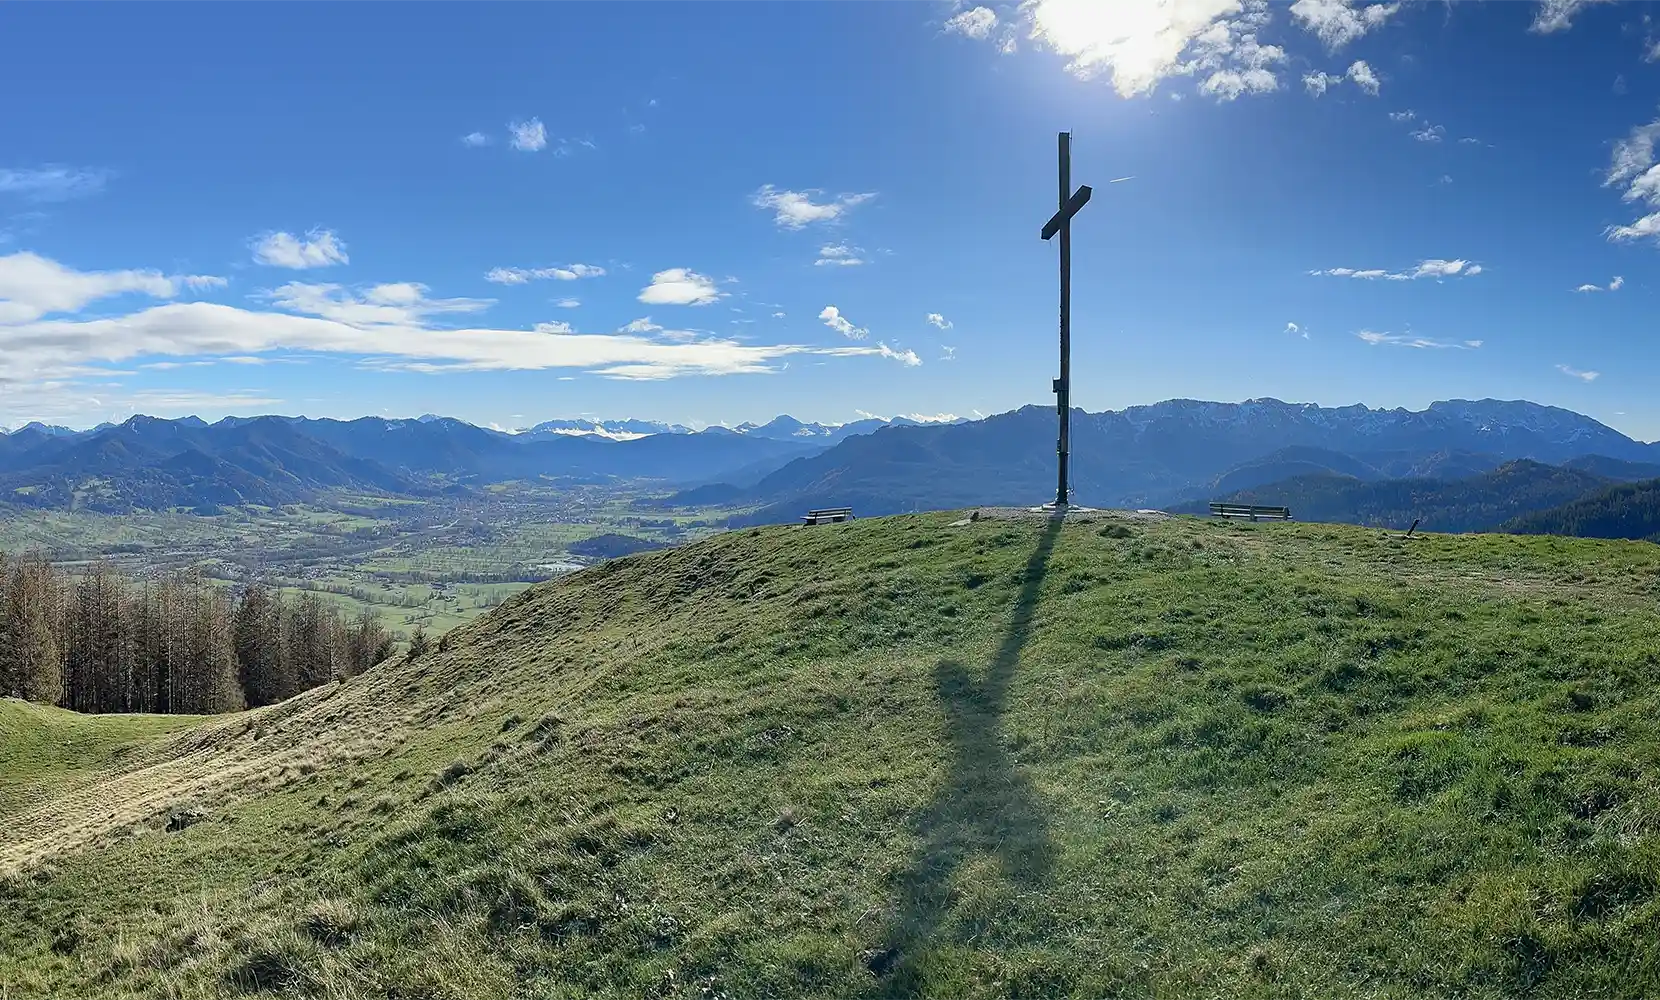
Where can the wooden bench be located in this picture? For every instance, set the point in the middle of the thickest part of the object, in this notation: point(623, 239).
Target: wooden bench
point(829, 515)
point(1250, 511)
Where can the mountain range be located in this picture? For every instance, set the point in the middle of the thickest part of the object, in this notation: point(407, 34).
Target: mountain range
point(1171, 453)
point(153, 463)
point(1474, 463)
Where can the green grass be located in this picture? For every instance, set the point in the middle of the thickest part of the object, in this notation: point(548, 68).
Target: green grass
point(903, 758)
point(45, 751)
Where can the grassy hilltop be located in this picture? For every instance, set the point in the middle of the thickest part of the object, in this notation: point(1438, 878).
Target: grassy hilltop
point(902, 757)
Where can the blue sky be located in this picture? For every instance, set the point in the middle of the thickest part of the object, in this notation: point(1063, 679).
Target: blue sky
point(518, 212)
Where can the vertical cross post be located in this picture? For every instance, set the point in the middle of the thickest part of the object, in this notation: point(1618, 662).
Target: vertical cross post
point(1063, 385)
point(1068, 202)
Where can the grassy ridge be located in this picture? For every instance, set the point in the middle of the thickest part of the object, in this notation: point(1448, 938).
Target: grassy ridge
point(45, 750)
point(900, 757)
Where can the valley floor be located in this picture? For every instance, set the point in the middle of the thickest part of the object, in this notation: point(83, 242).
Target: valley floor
point(902, 757)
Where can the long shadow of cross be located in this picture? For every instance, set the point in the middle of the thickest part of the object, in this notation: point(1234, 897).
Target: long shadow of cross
point(985, 806)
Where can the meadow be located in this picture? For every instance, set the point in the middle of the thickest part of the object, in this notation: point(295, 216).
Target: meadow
point(915, 756)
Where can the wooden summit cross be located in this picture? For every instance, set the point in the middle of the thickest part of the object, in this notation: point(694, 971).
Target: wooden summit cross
point(1061, 222)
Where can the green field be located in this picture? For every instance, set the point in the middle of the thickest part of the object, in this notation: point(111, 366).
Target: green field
point(436, 563)
point(914, 756)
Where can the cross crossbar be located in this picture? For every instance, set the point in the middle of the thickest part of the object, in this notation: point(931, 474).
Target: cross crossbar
point(1079, 199)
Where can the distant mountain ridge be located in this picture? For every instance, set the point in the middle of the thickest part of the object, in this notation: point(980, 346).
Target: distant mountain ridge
point(150, 462)
point(1169, 453)
point(1477, 503)
point(1159, 455)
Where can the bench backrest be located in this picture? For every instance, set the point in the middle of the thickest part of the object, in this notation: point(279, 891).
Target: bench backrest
point(1249, 510)
point(829, 514)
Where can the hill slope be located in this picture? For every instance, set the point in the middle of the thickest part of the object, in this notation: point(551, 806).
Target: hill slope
point(908, 757)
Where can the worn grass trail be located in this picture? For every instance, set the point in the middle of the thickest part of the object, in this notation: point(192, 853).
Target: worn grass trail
point(900, 758)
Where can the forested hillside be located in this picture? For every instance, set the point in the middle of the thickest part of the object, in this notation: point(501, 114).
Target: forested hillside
point(1631, 510)
point(103, 643)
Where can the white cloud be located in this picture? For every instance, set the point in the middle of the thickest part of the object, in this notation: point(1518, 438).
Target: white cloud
point(1429, 133)
point(1402, 116)
point(840, 254)
point(475, 139)
point(568, 303)
point(1294, 328)
point(778, 315)
point(1317, 83)
point(1557, 15)
point(907, 358)
point(935, 319)
point(1469, 140)
point(1634, 167)
point(520, 275)
point(795, 209)
point(400, 304)
point(52, 183)
point(833, 318)
point(974, 23)
point(950, 353)
point(32, 286)
point(319, 248)
point(679, 286)
point(642, 325)
point(386, 327)
point(527, 137)
point(1140, 42)
point(1433, 267)
point(1613, 286)
point(556, 326)
point(1339, 22)
point(1583, 376)
point(1361, 73)
point(1407, 340)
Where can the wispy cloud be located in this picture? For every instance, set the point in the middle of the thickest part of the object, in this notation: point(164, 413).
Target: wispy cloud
point(568, 303)
point(796, 209)
point(1613, 286)
point(1294, 328)
point(475, 139)
point(52, 183)
point(527, 136)
point(977, 22)
point(1359, 71)
point(679, 286)
point(1583, 376)
point(521, 275)
point(833, 318)
point(1407, 340)
point(396, 326)
point(318, 248)
point(948, 353)
point(1557, 15)
point(1433, 267)
point(1634, 168)
point(936, 320)
point(1339, 22)
point(1429, 133)
point(32, 286)
point(840, 254)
